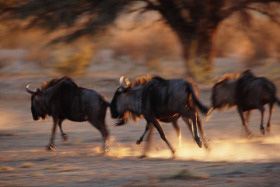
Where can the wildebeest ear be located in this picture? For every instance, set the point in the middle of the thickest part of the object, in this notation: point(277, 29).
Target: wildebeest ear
point(216, 78)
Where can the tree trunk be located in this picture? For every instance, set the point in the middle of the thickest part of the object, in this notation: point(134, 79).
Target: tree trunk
point(198, 53)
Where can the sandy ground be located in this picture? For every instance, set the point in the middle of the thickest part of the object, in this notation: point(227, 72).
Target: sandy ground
point(231, 161)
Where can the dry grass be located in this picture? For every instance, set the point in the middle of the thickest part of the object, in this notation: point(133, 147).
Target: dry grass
point(68, 168)
point(73, 61)
point(186, 175)
point(51, 167)
point(26, 165)
point(61, 168)
point(38, 174)
point(6, 169)
point(218, 164)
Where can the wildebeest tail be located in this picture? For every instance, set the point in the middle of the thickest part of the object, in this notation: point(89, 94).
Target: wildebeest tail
point(203, 109)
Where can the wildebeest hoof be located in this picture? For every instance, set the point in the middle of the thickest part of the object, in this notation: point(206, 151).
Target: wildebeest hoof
point(105, 151)
point(268, 129)
point(199, 143)
point(173, 155)
point(142, 156)
point(262, 130)
point(65, 137)
point(138, 142)
point(50, 147)
point(206, 143)
point(249, 135)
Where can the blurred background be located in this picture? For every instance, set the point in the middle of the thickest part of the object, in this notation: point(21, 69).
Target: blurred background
point(113, 38)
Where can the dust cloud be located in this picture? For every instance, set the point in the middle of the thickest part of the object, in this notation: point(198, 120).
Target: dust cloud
point(256, 149)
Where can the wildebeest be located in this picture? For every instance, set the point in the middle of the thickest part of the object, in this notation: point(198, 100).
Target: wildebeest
point(63, 99)
point(158, 100)
point(142, 80)
point(247, 92)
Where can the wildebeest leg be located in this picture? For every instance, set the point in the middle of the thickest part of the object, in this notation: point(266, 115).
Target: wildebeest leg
point(63, 135)
point(244, 123)
point(248, 116)
point(201, 131)
point(178, 131)
point(143, 135)
point(105, 134)
point(101, 126)
point(269, 117)
point(193, 116)
point(189, 124)
point(262, 115)
point(161, 132)
point(148, 140)
point(51, 145)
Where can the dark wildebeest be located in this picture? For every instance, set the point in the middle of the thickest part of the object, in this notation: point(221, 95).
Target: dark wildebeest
point(247, 92)
point(142, 80)
point(158, 99)
point(64, 99)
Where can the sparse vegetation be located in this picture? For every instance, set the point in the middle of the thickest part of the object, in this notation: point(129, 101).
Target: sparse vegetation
point(6, 169)
point(26, 165)
point(186, 175)
point(195, 23)
point(51, 167)
point(68, 168)
point(74, 61)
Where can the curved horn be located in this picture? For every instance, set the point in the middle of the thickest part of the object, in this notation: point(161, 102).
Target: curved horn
point(28, 90)
point(122, 81)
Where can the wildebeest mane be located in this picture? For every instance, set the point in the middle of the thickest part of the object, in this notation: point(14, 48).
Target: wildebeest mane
point(48, 84)
point(141, 80)
point(228, 76)
point(63, 88)
point(60, 93)
point(231, 76)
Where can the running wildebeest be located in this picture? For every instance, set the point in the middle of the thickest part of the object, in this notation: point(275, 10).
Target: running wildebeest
point(157, 100)
point(247, 92)
point(142, 80)
point(64, 99)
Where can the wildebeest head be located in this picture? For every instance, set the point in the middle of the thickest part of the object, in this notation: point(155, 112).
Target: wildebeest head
point(115, 107)
point(38, 105)
point(223, 92)
point(126, 102)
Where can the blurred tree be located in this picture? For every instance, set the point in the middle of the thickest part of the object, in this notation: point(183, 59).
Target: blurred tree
point(195, 22)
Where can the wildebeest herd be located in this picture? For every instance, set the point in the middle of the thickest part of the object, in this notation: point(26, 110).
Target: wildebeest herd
point(156, 100)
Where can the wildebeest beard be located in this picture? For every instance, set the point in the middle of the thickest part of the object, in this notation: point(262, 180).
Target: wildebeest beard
point(127, 104)
point(38, 111)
